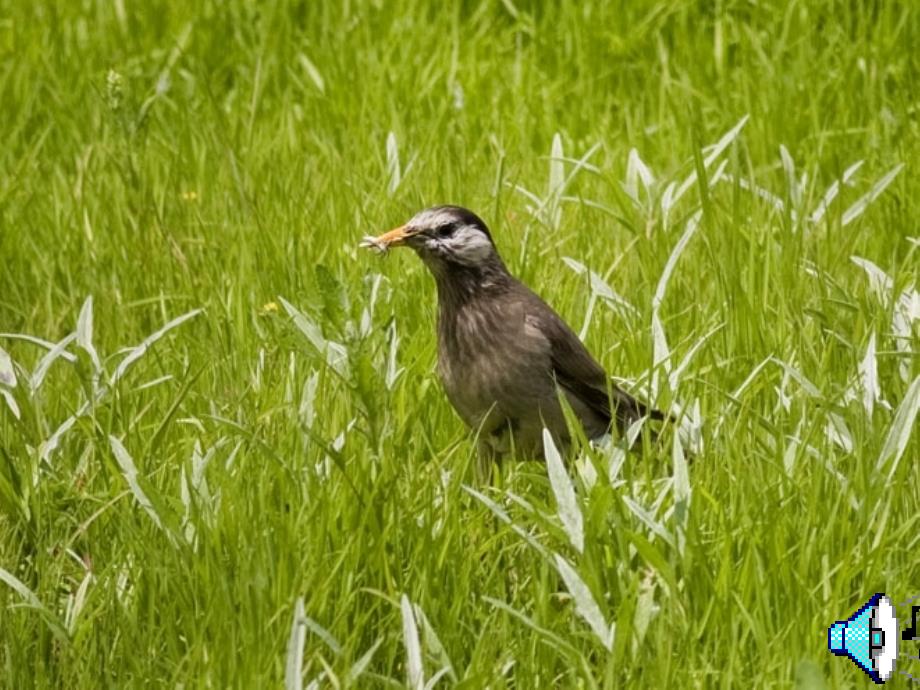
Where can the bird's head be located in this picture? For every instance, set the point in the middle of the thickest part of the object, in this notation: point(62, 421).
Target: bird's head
point(447, 238)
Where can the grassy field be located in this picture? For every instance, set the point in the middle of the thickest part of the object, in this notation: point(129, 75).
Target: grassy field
point(225, 458)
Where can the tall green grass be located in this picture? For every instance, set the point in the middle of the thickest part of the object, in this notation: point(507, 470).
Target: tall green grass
point(225, 460)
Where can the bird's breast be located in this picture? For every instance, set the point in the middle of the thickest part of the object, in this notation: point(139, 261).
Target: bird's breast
point(490, 369)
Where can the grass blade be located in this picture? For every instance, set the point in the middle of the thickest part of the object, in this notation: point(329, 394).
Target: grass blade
point(502, 515)
point(312, 72)
point(394, 174)
point(7, 371)
point(868, 376)
point(335, 354)
point(85, 332)
point(38, 376)
point(833, 191)
point(20, 588)
point(566, 501)
point(47, 344)
point(795, 191)
point(555, 182)
point(646, 518)
point(861, 204)
point(602, 288)
point(129, 470)
point(140, 350)
point(33, 601)
point(879, 281)
point(692, 226)
point(900, 430)
point(670, 198)
point(434, 645)
point(414, 672)
point(293, 668)
point(360, 666)
point(585, 604)
point(637, 171)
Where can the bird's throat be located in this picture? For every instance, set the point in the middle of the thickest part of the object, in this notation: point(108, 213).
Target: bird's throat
point(458, 285)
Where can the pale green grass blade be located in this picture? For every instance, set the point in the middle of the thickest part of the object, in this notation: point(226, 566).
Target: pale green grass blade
point(11, 403)
point(681, 476)
point(502, 515)
point(861, 204)
point(648, 519)
point(38, 376)
point(293, 667)
point(32, 601)
point(362, 664)
point(555, 182)
point(85, 332)
point(393, 370)
point(682, 492)
point(19, 587)
point(776, 202)
point(693, 225)
point(434, 646)
point(906, 311)
point(879, 281)
point(601, 288)
point(566, 501)
point(307, 407)
point(415, 674)
point(792, 184)
point(76, 602)
point(674, 376)
point(48, 345)
point(672, 196)
point(637, 171)
point(900, 431)
point(129, 470)
point(435, 678)
point(394, 172)
point(7, 372)
point(810, 388)
point(831, 194)
point(322, 634)
point(335, 354)
point(661, 354)
point(646, 610)
point(312, 72)
point(868, 377)
point(585, 604)
point(140, 350)
point(530, 623)
point(619, 451)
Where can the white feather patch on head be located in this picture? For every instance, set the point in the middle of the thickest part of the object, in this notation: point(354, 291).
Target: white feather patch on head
point(432, 218)
point(469, 245)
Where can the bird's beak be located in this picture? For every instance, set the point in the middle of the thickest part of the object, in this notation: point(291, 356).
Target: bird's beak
point(393, 238)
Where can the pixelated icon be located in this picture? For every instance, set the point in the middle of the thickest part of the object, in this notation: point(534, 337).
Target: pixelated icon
point(869, 638)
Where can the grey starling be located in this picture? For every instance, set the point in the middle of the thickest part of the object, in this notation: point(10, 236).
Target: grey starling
point(504, 355)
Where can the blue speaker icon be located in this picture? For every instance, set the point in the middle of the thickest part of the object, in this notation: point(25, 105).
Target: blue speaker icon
point(869, 638)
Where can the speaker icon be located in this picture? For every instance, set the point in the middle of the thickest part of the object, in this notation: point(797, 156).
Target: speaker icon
point(869, 638)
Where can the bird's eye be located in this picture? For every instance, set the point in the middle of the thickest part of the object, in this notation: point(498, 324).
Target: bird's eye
point(445, 230)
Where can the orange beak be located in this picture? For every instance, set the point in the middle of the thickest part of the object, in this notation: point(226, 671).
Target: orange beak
point(393, 238)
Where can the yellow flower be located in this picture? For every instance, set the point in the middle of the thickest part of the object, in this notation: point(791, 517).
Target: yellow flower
point(189, 196)
point(268, 308)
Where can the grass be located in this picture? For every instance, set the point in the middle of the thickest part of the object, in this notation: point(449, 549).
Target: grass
point(275, 490)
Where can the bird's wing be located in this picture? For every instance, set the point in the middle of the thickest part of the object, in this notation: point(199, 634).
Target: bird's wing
point(577, 372)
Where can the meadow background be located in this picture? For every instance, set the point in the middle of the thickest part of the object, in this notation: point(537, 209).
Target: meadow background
point(225, 460)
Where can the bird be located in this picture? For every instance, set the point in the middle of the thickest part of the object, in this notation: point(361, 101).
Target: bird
point(504, 355)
